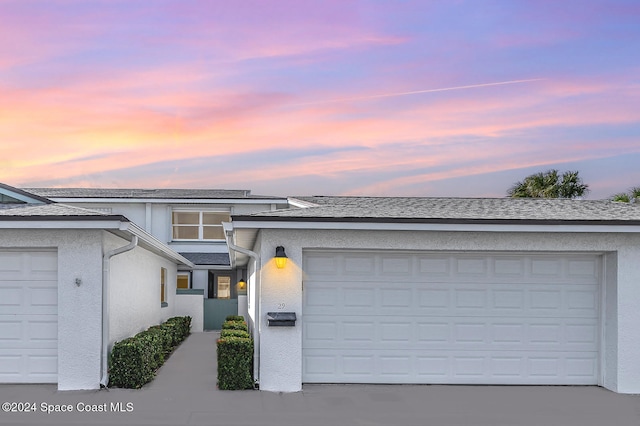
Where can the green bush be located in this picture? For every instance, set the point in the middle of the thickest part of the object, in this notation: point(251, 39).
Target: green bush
point(133, 361)
point(235, 363)
point(156, 339)
point(235, 318)
point(234, 333)
point(183, 325)
point(235, 325)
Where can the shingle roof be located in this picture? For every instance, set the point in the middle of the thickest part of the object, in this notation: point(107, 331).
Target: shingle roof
point(52, 211)
point(34, 196)
point(146, 193)
point(406, 209)
point(221, 259)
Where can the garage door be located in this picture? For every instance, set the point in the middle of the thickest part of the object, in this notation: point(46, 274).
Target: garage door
point(28, 317)
point(378, 317)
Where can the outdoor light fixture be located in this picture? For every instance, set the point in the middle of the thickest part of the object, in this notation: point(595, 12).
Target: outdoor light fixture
point(281, 257)
point(242, 284)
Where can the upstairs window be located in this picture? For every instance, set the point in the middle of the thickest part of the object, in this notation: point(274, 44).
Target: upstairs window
point(198, 225)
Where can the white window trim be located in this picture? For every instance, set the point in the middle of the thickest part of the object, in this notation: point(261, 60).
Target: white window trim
point(164, 276)
point(200, 226)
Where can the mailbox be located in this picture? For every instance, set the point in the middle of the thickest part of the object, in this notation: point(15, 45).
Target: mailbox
point(281, 319)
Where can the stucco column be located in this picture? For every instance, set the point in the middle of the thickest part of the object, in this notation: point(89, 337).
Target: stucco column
point(281, 347)
point(628, 321)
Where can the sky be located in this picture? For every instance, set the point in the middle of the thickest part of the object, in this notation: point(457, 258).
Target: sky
point(294, 97)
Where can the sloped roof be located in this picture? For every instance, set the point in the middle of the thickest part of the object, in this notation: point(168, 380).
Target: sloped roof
point(31, 197)
point(220, 259)
point(433, 210)
point(146, 193)
point(53, 212)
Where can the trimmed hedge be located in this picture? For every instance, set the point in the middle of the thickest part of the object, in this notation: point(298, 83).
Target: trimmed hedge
point(234, 318)
point(234, 333)
point(235, 325)
point(235, 363)
point(133, 361)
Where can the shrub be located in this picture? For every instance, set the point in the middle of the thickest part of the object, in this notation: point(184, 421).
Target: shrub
point(235, 318)
point(234, 333)
point(156, 339)
point(133, 361)
point(235, 325)
point(167, 341)
point(235, 363)
point(178, 328)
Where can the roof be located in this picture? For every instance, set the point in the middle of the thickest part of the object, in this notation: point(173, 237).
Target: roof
point(25, 197)
point(452, 210)
point(221, 259)
point(53, 212)
point(146, 193)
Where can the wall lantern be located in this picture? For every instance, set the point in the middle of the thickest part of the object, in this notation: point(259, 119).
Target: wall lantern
point(242, 284)
point(281, 257)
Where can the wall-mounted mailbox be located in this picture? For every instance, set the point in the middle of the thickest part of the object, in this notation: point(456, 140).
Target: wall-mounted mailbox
point(281, 319)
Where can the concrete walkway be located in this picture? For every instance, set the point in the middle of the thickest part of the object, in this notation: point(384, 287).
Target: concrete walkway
point(185, 393)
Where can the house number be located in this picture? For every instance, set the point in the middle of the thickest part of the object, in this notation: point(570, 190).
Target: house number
point(281, 305)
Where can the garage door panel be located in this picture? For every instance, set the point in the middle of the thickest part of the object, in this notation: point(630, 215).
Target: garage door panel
point(28, 332)
point(583, 269)
point(28, 297)
point(12, 266)
point(452, 318)
point(11, 297)
point(500, 334)
point(459, 299)
point(352, 366)
point(28, 316)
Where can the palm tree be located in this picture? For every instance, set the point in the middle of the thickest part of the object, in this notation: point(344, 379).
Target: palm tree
point(621, 197)
point(632, 196)
point(549, 185)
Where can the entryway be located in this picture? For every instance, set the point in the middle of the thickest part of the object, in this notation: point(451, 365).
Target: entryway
point(221, 300)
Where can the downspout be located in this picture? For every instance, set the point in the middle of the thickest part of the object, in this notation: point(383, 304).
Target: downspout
point(104, 380)
point(256, 258)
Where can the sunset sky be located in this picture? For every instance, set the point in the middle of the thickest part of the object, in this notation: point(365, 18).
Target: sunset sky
point(412, 98)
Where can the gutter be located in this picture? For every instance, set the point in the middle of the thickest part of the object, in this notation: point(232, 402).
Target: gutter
point(228, 230)
point(104, 380)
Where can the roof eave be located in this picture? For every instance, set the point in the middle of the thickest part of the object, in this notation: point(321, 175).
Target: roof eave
point(63, 218)
point(107, 200)
point(461, 221)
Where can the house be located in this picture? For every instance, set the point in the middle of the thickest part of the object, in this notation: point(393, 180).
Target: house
point(373, 290)
point(74, 281)
point(188, 221)
point(444, 291)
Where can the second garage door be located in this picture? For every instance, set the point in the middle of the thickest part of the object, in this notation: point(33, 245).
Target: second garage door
point(479, 318)
point(28, 316)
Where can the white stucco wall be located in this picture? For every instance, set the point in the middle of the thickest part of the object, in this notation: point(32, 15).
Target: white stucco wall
point(281, 348)
point(191, 305)
point(134, 283)
point(79, 307)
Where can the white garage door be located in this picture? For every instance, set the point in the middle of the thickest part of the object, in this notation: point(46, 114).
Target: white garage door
point(28, 317)
point(389, 317)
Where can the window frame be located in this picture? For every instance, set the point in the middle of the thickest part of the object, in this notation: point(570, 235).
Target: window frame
point(183, 274)
point(200, 225)
point(163, 288)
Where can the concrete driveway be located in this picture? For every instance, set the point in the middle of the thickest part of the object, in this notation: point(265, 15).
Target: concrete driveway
point(185, 393)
